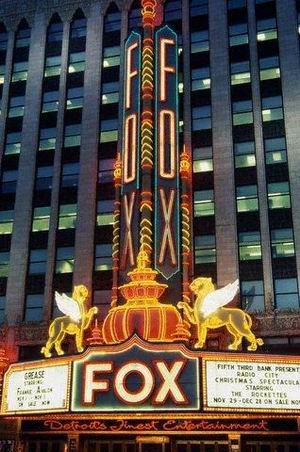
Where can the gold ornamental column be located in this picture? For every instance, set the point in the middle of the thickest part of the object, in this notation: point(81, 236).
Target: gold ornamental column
point(147, 129)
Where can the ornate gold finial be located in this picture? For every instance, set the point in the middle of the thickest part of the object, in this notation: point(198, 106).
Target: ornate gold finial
point(185, 164)
point(142, 260)
point(118, 171)
point(76, 320)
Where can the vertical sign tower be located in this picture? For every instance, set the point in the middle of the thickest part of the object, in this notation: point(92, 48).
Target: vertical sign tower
point(147, 175)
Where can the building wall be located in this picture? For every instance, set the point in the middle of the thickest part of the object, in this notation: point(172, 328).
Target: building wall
point(60, 131)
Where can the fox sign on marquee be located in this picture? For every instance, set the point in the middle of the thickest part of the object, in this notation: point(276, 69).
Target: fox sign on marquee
point(137, 379)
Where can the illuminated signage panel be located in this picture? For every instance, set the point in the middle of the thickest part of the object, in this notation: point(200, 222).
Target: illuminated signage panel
point(167, 200)
point(36, 389)
point(130, 155)
point(136, 380)
point(251, 386)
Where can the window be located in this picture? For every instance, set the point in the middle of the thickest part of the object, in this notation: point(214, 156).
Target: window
point(3, 40)
point(233, 4)
point(269, 68)
point(103, 257)
point(111, 56)
point(112, 22)
point(204, 204)
point(106, 171)
point(52, 66)
point(135, 17)
point(172, 10)
point(23, 38)
point(13, 143)
point(201, 118)
point(242, 112)
point(47, 139)
point(272, 108)
point(70, 175)
point(2, 309)
point(109, 130)
point(110, 93)
point(37, 261)
point(198, 7)
point(238, 34)
point(44, 178)
point(282, 243)
point(76, 62)
point(4, 264)
point(50, 101)
point(240, 73)
point(202, 160)
point(2, 73)
point(75, 98)
point(72, 135)
point(41, 219)
point(78, 28)
point(247, 200)
point(266, 29)
point(244, 154)
point(249, 246)
point(64, 260)
point(200, 78)
point(279, 195)
point(55, 32)
point(205, 249)
point(34, 308)
point(252, 295)
point(199, 41)
point(67, 216)
point(6, 221)
point(275, 149)
point(286, 293)
point(16, 106)
point(9, 181)
point(105, 213)
point(20, 71)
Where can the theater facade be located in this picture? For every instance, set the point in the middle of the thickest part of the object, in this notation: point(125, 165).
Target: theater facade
point(138, 379)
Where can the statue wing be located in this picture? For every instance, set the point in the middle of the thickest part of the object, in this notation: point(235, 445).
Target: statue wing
point(219, 298)
point(68, 306)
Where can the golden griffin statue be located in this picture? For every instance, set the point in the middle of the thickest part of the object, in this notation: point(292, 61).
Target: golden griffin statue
point(208, 312)
point(75, 321)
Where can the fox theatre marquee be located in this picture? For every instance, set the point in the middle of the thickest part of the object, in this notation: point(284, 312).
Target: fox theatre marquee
point(140, 380)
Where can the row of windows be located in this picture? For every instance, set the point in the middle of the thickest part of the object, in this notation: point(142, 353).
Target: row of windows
point(252, 293)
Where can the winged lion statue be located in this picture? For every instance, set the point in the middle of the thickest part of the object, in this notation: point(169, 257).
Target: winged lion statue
point(75, 321)
point(209, 312)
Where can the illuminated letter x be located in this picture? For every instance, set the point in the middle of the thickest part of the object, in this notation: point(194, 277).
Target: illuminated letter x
point(128, 243)
point(167, 239)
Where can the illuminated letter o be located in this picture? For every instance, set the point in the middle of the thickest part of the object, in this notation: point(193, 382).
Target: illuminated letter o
point(143, 392)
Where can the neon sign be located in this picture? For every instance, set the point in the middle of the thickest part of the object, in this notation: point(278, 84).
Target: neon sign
point(167, 196)
point(130, 154)
point(136, 379)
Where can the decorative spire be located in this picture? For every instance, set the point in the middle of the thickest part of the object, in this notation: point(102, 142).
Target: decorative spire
point(118, 171)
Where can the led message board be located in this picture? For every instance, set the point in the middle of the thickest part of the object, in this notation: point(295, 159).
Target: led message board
point(134, 380)
point(268, 385)
point(36, 389)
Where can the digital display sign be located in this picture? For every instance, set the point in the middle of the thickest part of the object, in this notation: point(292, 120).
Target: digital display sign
point(251, 386)
point(36, 389)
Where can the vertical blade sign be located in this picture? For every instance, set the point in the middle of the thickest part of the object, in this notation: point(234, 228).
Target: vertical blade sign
point(167, 196)
point(130, 155)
